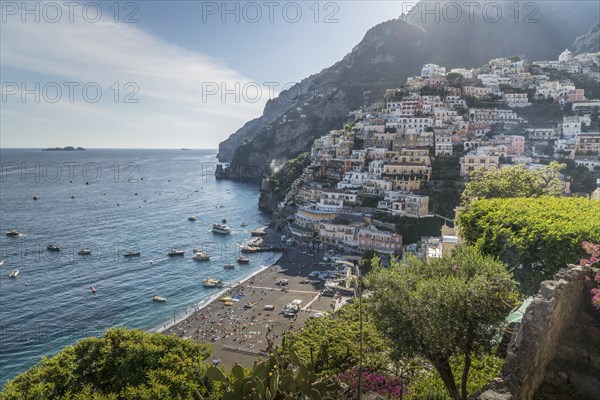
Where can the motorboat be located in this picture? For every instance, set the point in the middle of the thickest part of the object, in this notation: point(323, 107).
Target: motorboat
point(192, 218)
point(229, 266)
point(258, 232)
point(200, 256)
point(249, 249)
point(243, 224)
point(243, 260)
point(159, 299)
point(36, 197)
point(93, 289)
point(84, 252)
point(131, 254)
point(13, 233)
point(212, 282)
point(1, 263)
point(14, 274)
point(221, 229)
point(53, 247)
point(176, 253)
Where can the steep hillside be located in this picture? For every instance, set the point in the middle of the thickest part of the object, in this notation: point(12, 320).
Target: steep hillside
point(394, 50)
point(588, 43)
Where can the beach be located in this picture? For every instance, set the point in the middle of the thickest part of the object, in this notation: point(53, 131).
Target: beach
point(239, 334)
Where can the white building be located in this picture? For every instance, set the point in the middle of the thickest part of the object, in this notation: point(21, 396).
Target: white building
point(432, 70)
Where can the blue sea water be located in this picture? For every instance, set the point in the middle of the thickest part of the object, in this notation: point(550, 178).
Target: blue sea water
point(123, 199)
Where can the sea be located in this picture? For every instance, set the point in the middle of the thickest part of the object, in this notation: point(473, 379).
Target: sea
point(111, 202)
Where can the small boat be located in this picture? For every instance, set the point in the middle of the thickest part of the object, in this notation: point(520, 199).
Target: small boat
point(131, 254)
point(258, 232)
point(221, 229)
point(212, 282)
point(229, 266)
point(176, 253)
point(14, 274)
point(159, 299)
point(224, 221)
point(1, 263)
point(192, 218)
point(243, 224)
point(93, 289)
point(53, 247)
point(250, 304)
point(228, 303)
point(198, 255)
point(73, 196)
point(249, 249)
point(13, 233)
point(36, 197)
point(84, 252)
point(243, 260)
point(27, 283)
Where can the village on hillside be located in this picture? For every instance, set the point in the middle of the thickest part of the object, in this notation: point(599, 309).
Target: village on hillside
point(407, 157)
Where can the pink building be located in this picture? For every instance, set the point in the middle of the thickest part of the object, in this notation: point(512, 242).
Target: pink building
point(371, 238)
point(515, 144)
point(575, 95)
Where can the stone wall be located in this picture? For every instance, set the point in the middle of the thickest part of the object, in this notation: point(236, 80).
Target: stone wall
point(555, 308)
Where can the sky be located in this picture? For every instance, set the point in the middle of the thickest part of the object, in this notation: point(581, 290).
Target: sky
point(161, 74)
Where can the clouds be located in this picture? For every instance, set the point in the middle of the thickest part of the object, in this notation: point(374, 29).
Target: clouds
point(167, 80)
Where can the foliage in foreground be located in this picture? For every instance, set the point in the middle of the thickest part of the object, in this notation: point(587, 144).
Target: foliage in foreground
point(442, 308)
point(534, 236)
point(513, 181)
point(483, 369)
point(335, 342)
point(593, 249)
point(123, 364)
point(279, 377)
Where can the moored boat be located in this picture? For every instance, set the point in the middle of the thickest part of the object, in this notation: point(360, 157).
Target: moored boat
point(192, 218)
point(249, 249)
point(212, 282)
point(131, 254)
point(1, 263)
point(14, 274)
point(159, 299)
point(84, 252)
point(53, 247)
point(200, 256)
point(243, 260)
point(221, 229)
point(229, 266)
point(13, 233)
point(176, 253)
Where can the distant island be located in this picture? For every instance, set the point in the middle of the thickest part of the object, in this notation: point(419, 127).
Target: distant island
point(68, 148)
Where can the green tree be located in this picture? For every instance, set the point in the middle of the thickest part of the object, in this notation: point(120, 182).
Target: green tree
point(513, 181)
point(123, 364)
point(534, 236)
point(453, 306)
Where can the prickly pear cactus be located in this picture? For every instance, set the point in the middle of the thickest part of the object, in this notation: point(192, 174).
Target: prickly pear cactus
point(273, 379)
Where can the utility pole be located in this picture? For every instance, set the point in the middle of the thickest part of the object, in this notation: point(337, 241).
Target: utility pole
point(360, 328)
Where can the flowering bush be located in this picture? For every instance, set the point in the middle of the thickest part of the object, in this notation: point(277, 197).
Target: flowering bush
point(593, 249)
point(387, 386)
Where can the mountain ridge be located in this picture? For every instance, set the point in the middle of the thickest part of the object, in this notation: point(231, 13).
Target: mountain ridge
point(389, 53)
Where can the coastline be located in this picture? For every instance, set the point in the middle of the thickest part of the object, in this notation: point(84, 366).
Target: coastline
point(209, 300)
point(239, 332)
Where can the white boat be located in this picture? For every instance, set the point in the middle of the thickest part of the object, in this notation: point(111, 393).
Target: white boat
point(221, 229)
point(229, 266)
point(212, 282)
point(159, 299)
point(13, 233)
point(192, 218)
point(131, 254)
point(84, 252)
point(198, 255)
point(243, 260)
point(1, 263)
point(176, 253)
point(53, 247)
point(14, 274)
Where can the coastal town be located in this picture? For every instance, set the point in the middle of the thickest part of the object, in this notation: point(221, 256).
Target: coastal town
point(405, 159)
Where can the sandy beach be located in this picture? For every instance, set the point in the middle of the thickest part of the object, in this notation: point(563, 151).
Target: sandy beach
point(240, 334)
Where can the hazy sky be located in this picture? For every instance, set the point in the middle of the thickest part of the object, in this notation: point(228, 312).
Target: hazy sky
point(158, 74)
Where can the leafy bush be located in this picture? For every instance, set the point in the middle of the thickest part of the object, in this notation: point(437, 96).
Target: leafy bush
point(534, 236)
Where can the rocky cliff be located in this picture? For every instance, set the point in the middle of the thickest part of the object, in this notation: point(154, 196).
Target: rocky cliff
point(588, 43)
point(388, 54)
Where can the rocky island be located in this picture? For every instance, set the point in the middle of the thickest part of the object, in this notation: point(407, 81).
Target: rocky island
point(68, 148)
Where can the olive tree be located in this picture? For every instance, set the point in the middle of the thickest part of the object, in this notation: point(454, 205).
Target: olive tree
point(453, 306)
